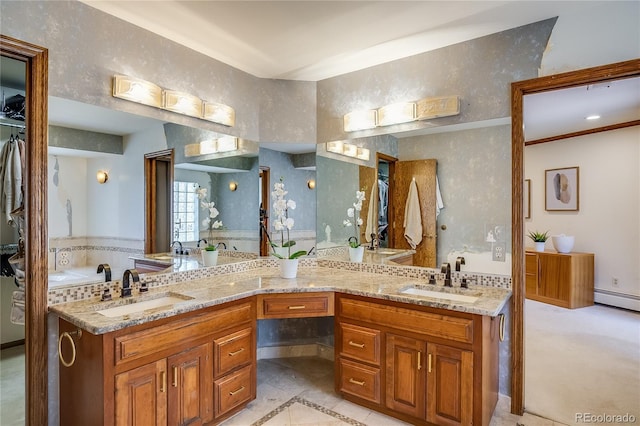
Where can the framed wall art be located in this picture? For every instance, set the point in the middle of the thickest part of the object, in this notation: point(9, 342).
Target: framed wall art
point(562, 190)
point(526, 197)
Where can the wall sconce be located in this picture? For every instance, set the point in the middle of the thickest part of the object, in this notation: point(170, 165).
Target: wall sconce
point(233, 186)
point(311, 184)
point(145, 92)
point(137, 90)
point(102, 176)
point(402, 112)
point(348, 150)
point(211, 146)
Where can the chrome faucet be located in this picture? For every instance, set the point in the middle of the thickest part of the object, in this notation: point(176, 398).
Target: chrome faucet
point(201, 240)
point(446, 270)
point(107, 271)
point(173, 243)
point(126, 288)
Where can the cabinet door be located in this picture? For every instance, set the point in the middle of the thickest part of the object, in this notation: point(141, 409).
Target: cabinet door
point(405, 382)
point(449, 385)
point(189, 388)
point(555, 276)
point(141, 395)
point(531, 275)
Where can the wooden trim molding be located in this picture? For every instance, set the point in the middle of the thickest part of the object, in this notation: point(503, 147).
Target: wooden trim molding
point(36, 348)
point(584, 132)
point(519, 89)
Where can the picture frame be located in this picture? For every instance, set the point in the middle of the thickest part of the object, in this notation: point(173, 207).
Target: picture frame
point(562, 189)
point(526, 196)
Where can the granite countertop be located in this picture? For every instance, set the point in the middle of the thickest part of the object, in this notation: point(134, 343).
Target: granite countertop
point(201, 293)
point(181, 262)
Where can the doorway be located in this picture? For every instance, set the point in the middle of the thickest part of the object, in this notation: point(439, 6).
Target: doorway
point(518, 91)
point(263, 198)
point(158, 183)
point(36, 235)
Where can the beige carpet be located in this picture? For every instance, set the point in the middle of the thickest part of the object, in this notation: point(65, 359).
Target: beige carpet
point(582, 362)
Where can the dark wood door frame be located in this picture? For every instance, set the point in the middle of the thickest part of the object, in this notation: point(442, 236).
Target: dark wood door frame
point(151, 161)
point(36, 361)
point(519, 89)
point(265, 247)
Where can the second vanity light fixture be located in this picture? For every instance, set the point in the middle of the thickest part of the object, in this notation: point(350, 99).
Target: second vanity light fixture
point(349, 150)
point(402, 112)
point(147, 93)
point(211, 146)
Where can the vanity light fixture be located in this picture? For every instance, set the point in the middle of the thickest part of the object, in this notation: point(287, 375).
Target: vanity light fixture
point(401, 112)
point(219, 113)
point(182, 103)
point(137, 90)
point(102, 176)
point(145, 92)
point(348, 150)
point(311, 184)
point(360, 120)
point(211, 146)
point(443, 106)
point(233, 186)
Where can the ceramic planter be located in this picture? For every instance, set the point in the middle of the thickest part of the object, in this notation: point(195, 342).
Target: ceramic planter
point(209, 258)
point(288, 268)
point(355, 254)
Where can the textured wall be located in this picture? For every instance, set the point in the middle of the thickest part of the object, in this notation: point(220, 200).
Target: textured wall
point(287, 111)
point(480, 71)
point(84, 140)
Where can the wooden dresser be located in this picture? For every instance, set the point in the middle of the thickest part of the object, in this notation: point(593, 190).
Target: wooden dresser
point(560, 279)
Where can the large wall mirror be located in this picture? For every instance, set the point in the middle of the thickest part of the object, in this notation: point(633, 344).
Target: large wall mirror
point(454, 165)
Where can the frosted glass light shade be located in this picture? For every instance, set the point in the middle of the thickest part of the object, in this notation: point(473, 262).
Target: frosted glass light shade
point(137, 90)
point(219, 113)
point(182, 103)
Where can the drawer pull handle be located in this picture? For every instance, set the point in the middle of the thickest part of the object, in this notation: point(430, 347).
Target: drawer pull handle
point(297, 307)
point(236, 352)
point(357, 345)
point(236, 391)
point(501, 329)
point(356, 382)
point(429, 363)
point(174, 379)
point(163, 381)
point(419, 360)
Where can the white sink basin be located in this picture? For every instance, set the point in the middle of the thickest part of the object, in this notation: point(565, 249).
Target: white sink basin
point(164, 301)
point(66, 276)
point(386, 252)
point(434, 294)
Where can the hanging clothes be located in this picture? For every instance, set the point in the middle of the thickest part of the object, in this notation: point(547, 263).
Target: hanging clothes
point(372, 219)
point(383, 210)
point(439, 203)
point(413, 217)
point(12, 167)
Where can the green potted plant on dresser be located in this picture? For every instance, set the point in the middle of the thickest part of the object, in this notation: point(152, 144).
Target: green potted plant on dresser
point(539, 239)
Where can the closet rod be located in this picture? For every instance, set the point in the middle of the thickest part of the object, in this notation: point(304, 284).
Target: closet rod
point(17, 126)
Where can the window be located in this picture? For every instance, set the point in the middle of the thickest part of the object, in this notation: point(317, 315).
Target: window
point(185, 211)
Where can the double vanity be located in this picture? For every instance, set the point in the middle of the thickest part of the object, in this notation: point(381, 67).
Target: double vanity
point(184, 352)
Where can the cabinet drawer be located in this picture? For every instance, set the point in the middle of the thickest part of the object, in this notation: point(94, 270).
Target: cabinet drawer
point(360, 343)
point(233, 350)
point(360, 380)
point(295, 305)
point(175, 334)
point(531, 263)
point(234, 390)
point(432, 324)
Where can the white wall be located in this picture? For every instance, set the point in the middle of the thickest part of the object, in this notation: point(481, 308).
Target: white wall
point(72, 185)
point(607, 222)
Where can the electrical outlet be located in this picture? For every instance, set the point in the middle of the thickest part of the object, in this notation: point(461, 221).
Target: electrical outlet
point(614, 281)
point(498, 252)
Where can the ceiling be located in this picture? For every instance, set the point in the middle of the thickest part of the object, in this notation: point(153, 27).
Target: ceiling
point(313, 40)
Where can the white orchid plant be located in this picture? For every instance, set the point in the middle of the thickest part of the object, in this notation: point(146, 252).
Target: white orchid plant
point(353, 219)
point(209, 221)
point(282, 222)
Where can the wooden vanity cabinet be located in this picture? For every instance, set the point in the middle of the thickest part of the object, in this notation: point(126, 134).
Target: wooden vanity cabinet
point(165, 372)
point(561, 279)
point(434, 366)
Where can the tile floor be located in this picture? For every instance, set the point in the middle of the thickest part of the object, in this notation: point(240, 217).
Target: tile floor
point(291, 391)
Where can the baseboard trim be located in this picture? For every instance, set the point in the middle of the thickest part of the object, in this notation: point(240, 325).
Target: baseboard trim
point(15, 343)
point(619, 300)
point(293, 351)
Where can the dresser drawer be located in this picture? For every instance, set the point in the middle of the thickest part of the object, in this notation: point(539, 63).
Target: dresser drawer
point(234, 390)
point(360, 343)
point(360, 380)
point(233, 350)
point(298, 305)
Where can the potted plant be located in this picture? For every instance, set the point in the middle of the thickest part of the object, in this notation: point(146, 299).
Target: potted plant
point(210, 252)
point(539, 238)
point(283, 223)
point(356, 250)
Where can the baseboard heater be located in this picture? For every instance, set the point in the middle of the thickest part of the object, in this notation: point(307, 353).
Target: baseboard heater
point(620, 300)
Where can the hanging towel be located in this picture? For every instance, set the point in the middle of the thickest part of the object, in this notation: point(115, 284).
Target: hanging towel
point(439, 203)
point(372, 217)
point(413, 217)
